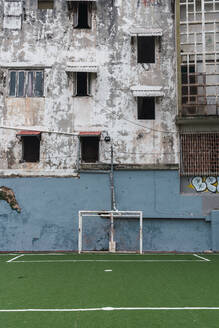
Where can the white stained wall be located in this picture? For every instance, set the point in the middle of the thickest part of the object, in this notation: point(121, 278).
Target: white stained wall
point(46, 39)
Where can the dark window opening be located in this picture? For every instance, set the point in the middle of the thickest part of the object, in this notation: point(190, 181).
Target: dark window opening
point(12, 84)
point(45, 4)
point(82, 84)
point(146, 49)
point(21, 84)
point(82, 14)
point(89, 149)
point(38, 88)
point(146, 108)
point(31, 148)
point(189, 87)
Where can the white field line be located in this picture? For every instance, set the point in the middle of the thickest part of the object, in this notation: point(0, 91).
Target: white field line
point(14, 258)
point(105, 254)
point(55, 261)
point(115, 309)
point(201, 257)
point(46, 254)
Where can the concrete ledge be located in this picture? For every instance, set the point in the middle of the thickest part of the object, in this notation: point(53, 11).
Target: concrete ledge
point(198, 120)
point(117, 167)
point(34, 173)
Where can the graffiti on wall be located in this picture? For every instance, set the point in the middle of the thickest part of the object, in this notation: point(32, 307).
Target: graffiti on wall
point(205, 184)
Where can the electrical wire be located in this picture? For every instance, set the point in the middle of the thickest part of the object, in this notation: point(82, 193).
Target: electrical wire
point(138, 124)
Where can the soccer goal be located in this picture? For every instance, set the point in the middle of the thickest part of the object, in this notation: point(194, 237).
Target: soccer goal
point(112, 216)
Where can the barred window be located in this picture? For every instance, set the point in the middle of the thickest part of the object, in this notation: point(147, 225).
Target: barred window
point(26, 83)
point(199, 153)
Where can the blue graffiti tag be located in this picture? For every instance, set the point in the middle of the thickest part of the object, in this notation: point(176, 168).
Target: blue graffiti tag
point(206, 184)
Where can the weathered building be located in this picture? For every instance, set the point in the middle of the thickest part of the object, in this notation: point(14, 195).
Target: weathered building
point(91, 86)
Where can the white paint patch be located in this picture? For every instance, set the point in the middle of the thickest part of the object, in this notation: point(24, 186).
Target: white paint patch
point(201, 257)
point(14, 258)
point(108, 270)
point(115, 309)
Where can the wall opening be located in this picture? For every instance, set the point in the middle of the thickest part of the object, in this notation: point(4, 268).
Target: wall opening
point(82, 14)
point(31, 148)
point(146, 49)
point(199, 154)
point(82, 84)
point(45, 4)
point(146, 108)
point(89, 149)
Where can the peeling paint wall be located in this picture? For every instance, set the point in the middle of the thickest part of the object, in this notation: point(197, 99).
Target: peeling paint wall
point(49, 213)
point(46, 40)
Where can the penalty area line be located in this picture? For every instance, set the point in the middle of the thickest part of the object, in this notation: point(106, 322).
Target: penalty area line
point(202, 258)
point(115, 309)
point(14, 258)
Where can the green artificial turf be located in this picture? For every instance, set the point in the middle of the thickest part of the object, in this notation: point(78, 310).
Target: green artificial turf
point(66, 285)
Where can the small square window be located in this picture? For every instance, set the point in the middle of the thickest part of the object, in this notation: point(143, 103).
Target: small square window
point(31, 148)
point(146, 108)
point(89, 149)
point(146, 49)
point(82, 14)
point(45, 4)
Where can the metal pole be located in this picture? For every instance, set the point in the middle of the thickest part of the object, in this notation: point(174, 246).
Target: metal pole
point(112, 243)
point(141, 228)
point(79, 232)
point(113, 201)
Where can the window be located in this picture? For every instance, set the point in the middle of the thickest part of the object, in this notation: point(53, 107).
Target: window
point(82, 14)
point(26, 84)
point(89, 149)
point(199, 154)
point(45, 4)
point(146, 49)
point(189, 86)
point(146, 108)
point(30, 148)
point(82, 84)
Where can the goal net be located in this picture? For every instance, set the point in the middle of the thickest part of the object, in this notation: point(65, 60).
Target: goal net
point(112, 231)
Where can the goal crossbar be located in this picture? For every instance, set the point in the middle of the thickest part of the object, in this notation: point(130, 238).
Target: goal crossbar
point(111, 215)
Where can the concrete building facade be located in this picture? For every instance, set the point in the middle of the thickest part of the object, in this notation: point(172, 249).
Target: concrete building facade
point(93, 104)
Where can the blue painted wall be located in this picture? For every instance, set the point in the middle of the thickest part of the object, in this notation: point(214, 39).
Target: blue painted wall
point(49, 217)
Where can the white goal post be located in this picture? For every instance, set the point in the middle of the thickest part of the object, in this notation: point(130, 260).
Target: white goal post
point(110, 215)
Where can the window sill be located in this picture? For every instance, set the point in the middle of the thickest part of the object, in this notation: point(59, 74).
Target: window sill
point(88, 96)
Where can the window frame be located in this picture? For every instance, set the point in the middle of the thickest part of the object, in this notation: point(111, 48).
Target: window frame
point(88, 85)
point(26, 89)
point(46, 2)
point(75, 9)
point(83, 139)
point(153, 37)
point(152, 99)
point(24, 155)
